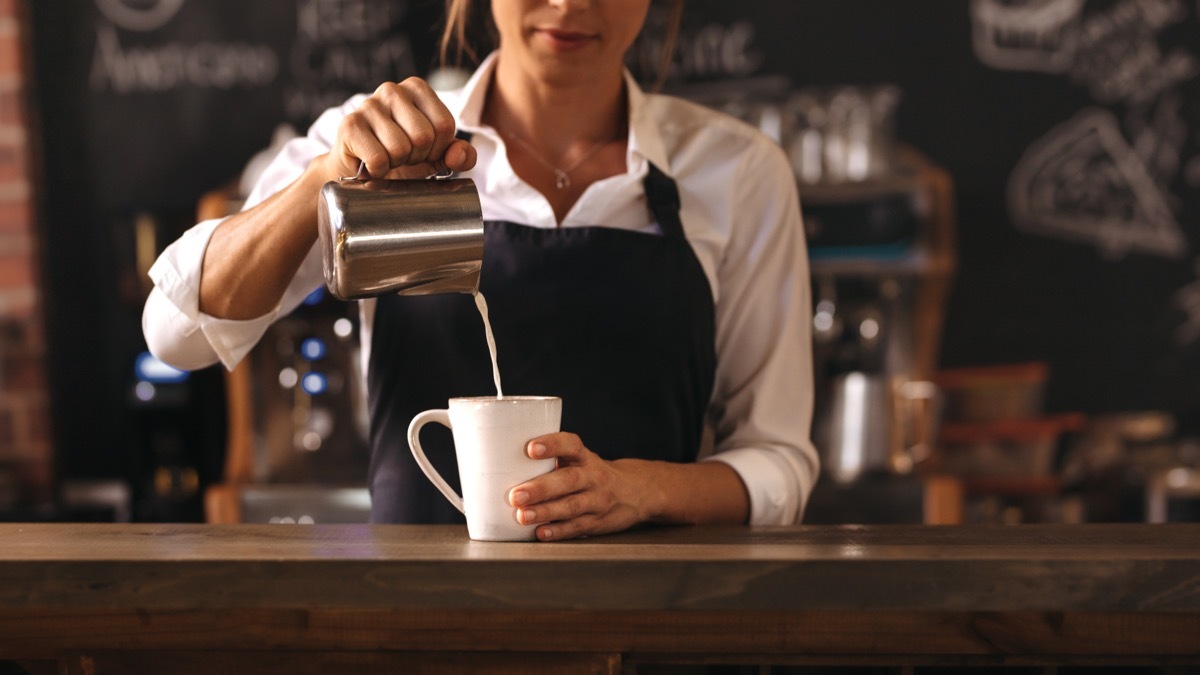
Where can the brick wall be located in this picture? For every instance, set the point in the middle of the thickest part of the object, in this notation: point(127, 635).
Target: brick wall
point(25, 448)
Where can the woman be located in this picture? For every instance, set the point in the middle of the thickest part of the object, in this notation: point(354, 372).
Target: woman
point(644, 260)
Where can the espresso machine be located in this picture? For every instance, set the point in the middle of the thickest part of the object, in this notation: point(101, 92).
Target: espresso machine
point(879, 224)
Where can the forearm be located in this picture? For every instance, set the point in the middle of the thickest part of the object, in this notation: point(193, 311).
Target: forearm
point(695, 493)
point(253, 256)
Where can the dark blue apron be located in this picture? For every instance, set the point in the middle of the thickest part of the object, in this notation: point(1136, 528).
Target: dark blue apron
point(619, 324)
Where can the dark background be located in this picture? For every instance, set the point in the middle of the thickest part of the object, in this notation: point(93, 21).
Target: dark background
point(130, 132)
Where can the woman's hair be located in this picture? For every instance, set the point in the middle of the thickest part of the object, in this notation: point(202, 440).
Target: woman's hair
point(461, 22)
point(454, 34)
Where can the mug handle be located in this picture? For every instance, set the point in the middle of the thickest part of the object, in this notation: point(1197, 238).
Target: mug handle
point(442, 417)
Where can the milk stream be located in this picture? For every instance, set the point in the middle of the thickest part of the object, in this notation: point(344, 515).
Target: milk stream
point(481, 304)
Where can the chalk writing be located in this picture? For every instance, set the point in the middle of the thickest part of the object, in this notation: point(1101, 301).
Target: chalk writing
point(1119, 58)
point(1086, 180)
point(140, 15)
point(1158, 133)
point(1114, 52)
point(720, 51)
point(705, 51)
point(214, 65)
point(334, 21)
point(363, 65)
point(1034, 35)
point(344, 47)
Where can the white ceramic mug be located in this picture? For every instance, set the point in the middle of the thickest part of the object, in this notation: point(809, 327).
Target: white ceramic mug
point(490, 435)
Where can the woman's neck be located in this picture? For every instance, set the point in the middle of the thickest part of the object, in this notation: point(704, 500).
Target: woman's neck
point(567, 132)
point(555, 116)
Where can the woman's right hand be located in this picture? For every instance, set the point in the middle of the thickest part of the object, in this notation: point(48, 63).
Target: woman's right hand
point(401, 131)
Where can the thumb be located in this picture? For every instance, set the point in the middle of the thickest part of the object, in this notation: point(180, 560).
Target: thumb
point(460, 156)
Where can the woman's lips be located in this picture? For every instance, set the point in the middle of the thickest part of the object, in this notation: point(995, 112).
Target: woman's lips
point(565, 40)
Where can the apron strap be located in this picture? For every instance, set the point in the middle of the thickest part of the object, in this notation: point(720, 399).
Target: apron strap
point(662, 196)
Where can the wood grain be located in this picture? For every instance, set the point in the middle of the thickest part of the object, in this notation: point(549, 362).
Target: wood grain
point(323, 663)
point(1134, 568)
point(940, 595)
point(915, 637)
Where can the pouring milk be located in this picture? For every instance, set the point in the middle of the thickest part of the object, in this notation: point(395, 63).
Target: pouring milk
point(481, 304)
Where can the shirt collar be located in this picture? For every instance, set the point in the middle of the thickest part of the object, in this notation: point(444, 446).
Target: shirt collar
point(645, 135)
point(471, 97)
point(645, 143)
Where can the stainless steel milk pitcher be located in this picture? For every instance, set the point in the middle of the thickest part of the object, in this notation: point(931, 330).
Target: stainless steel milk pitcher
point(412, 237)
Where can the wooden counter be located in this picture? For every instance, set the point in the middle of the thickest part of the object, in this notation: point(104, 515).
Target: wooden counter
point(299, 599)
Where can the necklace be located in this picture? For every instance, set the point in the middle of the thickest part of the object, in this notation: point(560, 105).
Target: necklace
point(562, 176)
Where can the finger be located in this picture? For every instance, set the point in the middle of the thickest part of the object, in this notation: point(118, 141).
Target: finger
point(460, 156)
point(359, 144)
point(420, 116)
point(394, 138)
point(575, 528)
point(549, 486)
point(425, 100)
point(411, 121)
point(569, 507)
point(408, 172)
point(562, 445)
point(419, 134)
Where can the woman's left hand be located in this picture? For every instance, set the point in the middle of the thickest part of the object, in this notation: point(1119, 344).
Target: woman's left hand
point(585, 495)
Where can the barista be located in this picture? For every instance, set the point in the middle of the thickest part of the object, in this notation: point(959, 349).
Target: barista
point(643, 259)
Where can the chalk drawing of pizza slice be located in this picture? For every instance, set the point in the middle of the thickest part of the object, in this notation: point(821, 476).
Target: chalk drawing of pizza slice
point(1083, 182)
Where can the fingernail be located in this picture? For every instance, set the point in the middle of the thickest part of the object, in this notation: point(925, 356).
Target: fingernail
point(537, 450)
point(519, 497)
point(528, 516)
point(545, 533)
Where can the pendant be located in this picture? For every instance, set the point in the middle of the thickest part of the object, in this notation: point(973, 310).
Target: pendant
point(561, 180)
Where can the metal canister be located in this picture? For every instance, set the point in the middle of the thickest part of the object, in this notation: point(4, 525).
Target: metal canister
point(412, 237)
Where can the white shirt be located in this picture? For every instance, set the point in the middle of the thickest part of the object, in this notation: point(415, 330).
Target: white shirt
point(740, 213)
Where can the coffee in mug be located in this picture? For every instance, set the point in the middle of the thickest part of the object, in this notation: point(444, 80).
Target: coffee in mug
point(490, 436)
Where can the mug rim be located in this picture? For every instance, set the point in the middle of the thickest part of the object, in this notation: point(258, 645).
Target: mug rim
point(506, 399)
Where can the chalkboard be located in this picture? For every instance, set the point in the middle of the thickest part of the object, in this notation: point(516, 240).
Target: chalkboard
point(1072, 131)
point(1070, 128)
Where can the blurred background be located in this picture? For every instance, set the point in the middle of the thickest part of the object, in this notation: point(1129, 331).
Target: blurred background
point(1002, 201)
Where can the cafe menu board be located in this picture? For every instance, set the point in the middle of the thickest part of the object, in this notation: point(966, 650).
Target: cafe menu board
point(1072, 131)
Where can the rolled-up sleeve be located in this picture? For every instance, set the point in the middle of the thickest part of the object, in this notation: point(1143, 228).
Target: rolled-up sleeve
point(763, 396)
point(176, 331)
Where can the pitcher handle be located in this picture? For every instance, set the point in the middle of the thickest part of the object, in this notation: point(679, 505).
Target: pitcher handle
point(441, 174)
point(442, 417)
